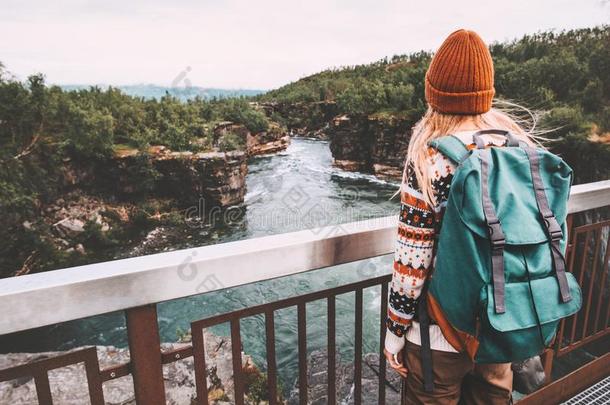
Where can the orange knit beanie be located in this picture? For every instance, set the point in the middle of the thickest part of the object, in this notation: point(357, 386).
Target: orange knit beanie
point(460, 79)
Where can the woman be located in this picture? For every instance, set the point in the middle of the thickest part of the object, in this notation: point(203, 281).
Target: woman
point(459, 91)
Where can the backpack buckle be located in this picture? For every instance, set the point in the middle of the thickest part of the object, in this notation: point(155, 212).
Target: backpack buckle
point(553, 227)
point(496, 235)
point(498, 243)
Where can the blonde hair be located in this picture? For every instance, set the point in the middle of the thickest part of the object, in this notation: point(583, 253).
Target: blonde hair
point(435, 124)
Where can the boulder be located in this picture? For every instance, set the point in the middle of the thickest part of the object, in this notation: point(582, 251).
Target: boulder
point(70, 226)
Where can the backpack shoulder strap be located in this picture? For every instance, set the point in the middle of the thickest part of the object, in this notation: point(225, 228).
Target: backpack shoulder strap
point(452, 147)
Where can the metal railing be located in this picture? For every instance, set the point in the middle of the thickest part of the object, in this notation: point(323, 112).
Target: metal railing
point(592, 274)
point(136, 285)
point(299, 302)
point(588, 257)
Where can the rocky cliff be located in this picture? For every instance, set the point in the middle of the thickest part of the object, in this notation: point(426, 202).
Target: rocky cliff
point(309, 120)
point(271, 141)
point(104, 205)
point(218, 177)
point(374, 144)
point(274, 139)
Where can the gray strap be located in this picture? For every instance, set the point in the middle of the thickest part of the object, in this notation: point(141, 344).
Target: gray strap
point(553, 229)
point(496, 236)
point(511, 140)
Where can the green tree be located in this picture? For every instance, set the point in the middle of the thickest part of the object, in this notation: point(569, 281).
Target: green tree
point(89, 133)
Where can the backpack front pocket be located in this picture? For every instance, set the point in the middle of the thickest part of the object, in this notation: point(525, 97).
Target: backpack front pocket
point(530, 321)
point(524, 308)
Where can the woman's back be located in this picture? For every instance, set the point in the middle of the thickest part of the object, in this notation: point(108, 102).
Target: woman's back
point(459, 91)
point(418, 224)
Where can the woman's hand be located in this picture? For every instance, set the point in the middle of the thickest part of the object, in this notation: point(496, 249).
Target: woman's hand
point(395, 362)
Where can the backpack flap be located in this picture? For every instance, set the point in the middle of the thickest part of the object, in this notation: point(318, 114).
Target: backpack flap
point(521, 313)
point(512, 193)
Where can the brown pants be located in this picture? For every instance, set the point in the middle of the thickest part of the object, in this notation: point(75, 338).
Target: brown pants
point(457, 380)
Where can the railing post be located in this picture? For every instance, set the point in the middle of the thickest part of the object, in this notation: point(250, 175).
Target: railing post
point(547, 362)
point(145, 354)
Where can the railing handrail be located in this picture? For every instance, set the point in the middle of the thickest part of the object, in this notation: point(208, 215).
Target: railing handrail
point(42, 299)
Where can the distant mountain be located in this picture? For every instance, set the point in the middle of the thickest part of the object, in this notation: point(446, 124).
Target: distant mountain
point(150, 91)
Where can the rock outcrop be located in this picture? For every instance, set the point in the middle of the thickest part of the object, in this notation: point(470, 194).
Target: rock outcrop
point(107, 205)
point(309, 120)
point(274, 139)
point(218, 177)
point(270, 141)
point(374, 144)
point(350, 143)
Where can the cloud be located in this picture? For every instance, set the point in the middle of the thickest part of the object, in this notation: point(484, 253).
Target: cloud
point(261, 44)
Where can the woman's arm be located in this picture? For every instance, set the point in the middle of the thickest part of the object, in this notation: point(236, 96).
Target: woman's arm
point(412, 261)
point(415, 239)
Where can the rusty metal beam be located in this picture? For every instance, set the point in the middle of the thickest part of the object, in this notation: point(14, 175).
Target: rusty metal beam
point(201, 378)
point(39, 369)
point(145, 353)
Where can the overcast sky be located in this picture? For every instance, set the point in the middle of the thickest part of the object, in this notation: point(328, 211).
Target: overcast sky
point(258, 44)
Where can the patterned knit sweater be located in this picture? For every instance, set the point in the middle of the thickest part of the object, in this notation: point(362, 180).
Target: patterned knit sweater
point(414, 246)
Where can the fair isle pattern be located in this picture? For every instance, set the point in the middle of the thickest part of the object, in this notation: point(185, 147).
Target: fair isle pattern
point(417, 226)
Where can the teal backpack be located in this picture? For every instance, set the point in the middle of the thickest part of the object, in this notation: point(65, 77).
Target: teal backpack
point(499, 282)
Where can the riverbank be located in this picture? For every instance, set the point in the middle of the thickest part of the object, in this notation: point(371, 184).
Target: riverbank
point(105, 208)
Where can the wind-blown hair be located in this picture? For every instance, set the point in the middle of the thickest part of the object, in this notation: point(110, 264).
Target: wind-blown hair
point(435, 124)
